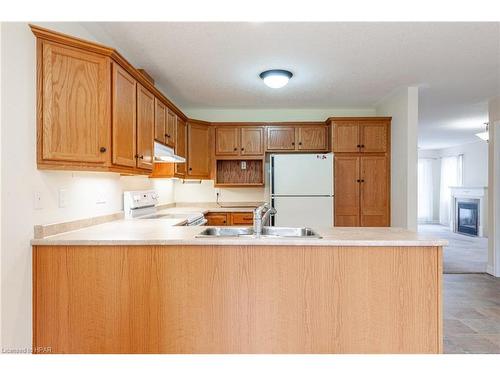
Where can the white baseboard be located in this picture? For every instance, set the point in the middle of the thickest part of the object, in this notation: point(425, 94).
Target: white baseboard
point(489, 270)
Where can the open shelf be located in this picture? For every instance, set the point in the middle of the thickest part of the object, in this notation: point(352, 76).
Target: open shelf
point(230, 174)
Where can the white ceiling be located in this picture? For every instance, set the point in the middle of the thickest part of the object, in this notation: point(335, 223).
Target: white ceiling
point(335, 65)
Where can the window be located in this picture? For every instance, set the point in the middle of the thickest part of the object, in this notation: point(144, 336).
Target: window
point(425, 191)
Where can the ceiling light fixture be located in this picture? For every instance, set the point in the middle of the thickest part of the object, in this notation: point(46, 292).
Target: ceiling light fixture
point(276, 78)
point(485, 136)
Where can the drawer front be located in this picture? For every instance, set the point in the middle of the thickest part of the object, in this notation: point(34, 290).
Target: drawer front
point(241, 218)
point(218, 219)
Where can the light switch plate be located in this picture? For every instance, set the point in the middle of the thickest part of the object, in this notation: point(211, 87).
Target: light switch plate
point(37, 200)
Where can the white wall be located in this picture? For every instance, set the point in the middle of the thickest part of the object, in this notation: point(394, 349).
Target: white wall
point(20, 180)
point(277, 114)
point(205, 192)
point(475, 168)
point(402, 105)
point(494, 187)
point(436, 179)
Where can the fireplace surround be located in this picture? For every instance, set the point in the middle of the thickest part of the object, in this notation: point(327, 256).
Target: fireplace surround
point(469, 210)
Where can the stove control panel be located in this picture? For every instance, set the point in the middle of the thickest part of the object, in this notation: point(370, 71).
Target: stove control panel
point(137, 200)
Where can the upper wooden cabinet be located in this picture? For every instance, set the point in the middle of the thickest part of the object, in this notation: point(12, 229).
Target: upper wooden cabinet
point(312, 138)
point(74, 92)
point(198, 150)
point(280, 138)
point(181, 147)
point(227, 140)
point(297, 138)
point(239, 141)
point(160, 121)
point(124, 118)
point(363, 135)
point(171, 128)
point(145, 127)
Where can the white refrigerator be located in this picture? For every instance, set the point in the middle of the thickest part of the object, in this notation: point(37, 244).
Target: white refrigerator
point(301, 190)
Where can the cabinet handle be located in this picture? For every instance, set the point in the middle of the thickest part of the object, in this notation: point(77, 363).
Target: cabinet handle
point(358, 181)
point(190, 168)
point(136, 156)
point(141, 157)
point(300, 143)
point(362, 146)
point(362, 180)
point(102, 149)
point(358, 146)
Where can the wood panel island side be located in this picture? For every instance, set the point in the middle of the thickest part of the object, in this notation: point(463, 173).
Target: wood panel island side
point(161, 290)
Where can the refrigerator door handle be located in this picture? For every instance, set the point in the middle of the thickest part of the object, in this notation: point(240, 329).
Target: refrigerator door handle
point(271, 174)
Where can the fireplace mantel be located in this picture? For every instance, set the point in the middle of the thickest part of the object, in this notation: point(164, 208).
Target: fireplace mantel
point(470, 192)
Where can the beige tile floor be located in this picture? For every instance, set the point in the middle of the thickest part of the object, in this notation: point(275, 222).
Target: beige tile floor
point(471, 313)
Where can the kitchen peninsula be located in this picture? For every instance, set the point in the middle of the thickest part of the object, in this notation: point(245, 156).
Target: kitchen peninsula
point(121, 287)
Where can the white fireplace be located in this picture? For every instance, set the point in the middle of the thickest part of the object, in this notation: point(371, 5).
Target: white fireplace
point(469, 207)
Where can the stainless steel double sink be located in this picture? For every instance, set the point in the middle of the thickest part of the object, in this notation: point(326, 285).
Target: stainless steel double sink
point(267, 232)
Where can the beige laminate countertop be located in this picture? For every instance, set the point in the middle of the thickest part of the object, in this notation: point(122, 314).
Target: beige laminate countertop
point(161, 232)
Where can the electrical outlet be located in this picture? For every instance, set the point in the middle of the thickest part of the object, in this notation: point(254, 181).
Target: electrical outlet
point(243, 165)
point(101, 199)
point(63, 198)
point(37, 200)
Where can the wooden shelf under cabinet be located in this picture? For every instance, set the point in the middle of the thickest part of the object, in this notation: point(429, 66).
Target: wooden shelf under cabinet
point(229, 173)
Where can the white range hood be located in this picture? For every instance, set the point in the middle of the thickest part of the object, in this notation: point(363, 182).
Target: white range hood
point(165, 154)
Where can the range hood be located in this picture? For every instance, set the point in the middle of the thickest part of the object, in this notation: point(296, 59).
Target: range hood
point(165, 154)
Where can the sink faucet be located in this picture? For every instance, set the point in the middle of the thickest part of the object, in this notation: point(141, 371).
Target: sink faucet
point(260, 216)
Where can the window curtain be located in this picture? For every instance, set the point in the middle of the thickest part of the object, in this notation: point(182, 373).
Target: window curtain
point(451, 175)
point(425, 191)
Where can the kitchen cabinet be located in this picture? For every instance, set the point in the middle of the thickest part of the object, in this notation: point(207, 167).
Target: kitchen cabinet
point(171, 127)
point(242, 218)
point(229, 218)
point(280, 138)
point(180, 147)
point(301, 138)
point(124, 118)
point(216, 218)
point(74, 102)
point(374, 193)
point(239, 141)
point(160, 121)
point(199, 148)
point(312, 138)
point(361, 191)
point(365, 135)
point(145, 127)
point(227, 140)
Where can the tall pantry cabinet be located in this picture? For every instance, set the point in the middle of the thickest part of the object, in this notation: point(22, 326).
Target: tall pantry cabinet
point(362, 171)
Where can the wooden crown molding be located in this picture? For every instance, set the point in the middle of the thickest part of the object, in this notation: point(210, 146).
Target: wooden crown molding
point(365, 118)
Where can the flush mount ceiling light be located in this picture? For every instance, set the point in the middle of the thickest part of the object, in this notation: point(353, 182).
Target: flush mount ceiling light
point(276, 78)
point(484, 135)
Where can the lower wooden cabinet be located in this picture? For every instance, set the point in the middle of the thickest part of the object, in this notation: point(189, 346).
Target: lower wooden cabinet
point(362, 191)
point(229, 218)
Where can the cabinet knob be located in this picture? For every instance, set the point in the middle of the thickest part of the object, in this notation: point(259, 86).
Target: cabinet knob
point(235, 149)
point(293, 143)
point(102, 149)
point(242, 149)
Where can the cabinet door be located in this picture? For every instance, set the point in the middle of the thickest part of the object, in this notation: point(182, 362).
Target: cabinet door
point(241, 218)
point(145, 127)
point(313, 138)
point(252, 141)
point(216, 218)
point(374, 191)
point(374, 137)
point(227, 140)
point(180, 147)
point(198, 150)
point(171, 128)
point(124, 117)
point(347, 185)
point(75, 117)
point(280, 138)
point(160, 121)
point(346, 136)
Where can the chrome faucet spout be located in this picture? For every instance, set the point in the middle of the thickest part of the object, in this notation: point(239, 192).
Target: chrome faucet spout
point(260, 216)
